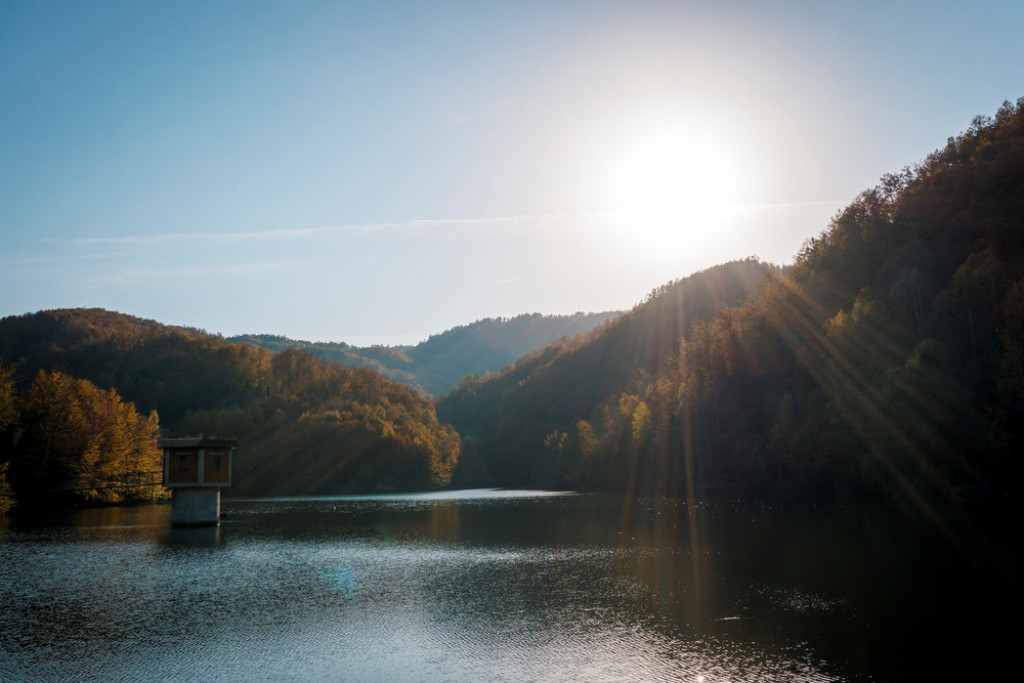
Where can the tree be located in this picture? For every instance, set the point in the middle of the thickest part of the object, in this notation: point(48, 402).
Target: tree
point(81, 444)
point(8, 422)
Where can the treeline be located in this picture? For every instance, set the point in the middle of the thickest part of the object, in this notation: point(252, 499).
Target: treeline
point(304, 425)
point(158, 367)
point(389, 361)
point(67, 441)
point(437, 364)
point(888, 362)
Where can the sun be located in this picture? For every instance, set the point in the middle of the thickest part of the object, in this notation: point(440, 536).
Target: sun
point(671, 186)
point(667, 171)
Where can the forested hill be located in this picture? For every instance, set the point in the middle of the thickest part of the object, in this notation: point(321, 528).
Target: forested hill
point(506, 419)
point(440, 362)
point(887, 362)
point(304, 425)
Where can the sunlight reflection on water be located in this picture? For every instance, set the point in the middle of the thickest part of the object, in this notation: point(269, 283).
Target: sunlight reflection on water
point(300, 590)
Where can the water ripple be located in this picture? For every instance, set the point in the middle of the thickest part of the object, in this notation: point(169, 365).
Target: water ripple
point(251, 602)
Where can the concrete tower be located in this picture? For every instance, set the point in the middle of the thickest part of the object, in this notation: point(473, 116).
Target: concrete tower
point(197, 469)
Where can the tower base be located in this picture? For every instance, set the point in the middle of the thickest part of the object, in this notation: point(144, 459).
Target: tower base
point(195, 507)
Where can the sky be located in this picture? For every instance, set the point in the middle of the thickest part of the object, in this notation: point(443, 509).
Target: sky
point(377, 172)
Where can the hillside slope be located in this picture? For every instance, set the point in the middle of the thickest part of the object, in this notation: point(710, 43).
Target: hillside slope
point(506, 418)
point(440, 362)
point(888, 362)
point(304, 425)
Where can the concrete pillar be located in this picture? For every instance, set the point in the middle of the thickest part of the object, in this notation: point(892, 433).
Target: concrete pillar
point(195, 507)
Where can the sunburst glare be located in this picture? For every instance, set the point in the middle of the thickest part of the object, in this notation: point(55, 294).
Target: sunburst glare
point(671, 183)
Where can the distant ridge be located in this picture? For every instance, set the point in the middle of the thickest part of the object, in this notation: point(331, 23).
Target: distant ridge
point(442, 361)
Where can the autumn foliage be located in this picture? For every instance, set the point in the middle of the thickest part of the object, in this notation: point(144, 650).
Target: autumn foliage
point(304, 425)
point(78, 443)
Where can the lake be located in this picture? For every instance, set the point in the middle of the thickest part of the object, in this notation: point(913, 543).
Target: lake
point(495, 586)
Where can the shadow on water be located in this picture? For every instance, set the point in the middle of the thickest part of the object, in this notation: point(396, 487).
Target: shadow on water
point(193, 537)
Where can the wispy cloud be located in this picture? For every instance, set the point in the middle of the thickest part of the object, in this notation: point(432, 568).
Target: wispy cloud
point(505, 281)
point(285, 234)
point(216, 237)
point(139, 275)
point(71, 258)
point(417, 225)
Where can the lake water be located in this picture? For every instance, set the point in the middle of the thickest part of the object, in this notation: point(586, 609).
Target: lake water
point(490, 585)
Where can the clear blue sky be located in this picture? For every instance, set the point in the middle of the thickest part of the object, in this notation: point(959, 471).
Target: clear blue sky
point(375, 172)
